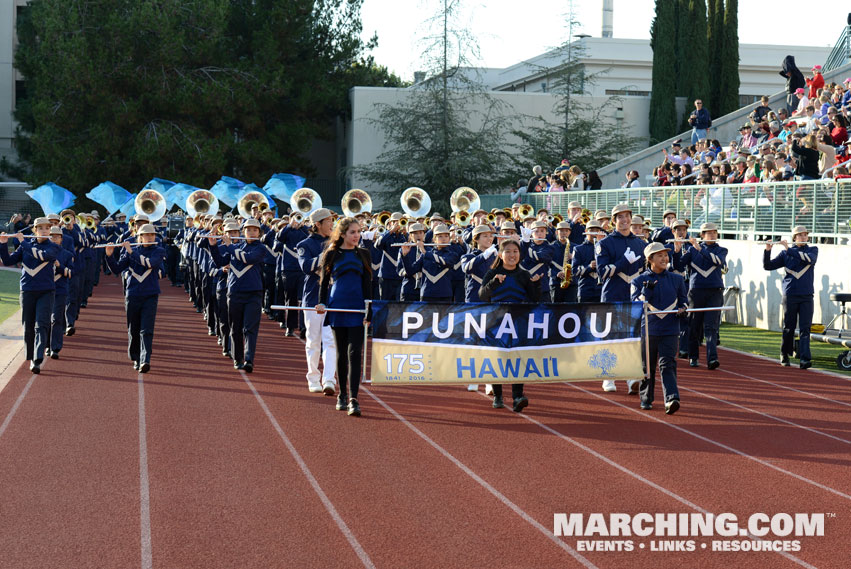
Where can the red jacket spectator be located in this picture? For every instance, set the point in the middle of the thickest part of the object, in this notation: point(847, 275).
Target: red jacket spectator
point(839, 134)
point(815, 82)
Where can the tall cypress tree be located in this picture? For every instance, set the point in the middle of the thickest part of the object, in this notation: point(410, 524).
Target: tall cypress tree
point(663, 113)
point(696, 72)
point(729, 76)
point(684, 25)
point(715, 40)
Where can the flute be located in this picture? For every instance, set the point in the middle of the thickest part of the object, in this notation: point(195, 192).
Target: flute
point(131, 243)
point(684, 241)
point(411, 244)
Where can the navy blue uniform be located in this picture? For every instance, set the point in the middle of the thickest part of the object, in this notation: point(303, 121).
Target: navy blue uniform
point(706, 290)
point(433, 267)
point(587, 281)
point(798, 262)
point(661, 292)
point(390, 283)
point(37, 288)
point(615, 270)
point(61, 277)
point(476, 265)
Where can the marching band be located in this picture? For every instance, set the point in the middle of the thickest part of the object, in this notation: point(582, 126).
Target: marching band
point(308, 268)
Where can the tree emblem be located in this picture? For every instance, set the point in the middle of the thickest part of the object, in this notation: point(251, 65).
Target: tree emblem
point(605, 360)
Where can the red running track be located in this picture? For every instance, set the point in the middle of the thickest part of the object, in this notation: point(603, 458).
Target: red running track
point(197, 465)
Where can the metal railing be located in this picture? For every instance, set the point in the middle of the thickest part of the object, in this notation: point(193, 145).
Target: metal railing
point(841, 52)
point(823, 206)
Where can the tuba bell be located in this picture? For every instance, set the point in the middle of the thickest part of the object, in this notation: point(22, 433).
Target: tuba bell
point(355, 202)
point(202, 202)
point(151, 203)
point(415, 202)
point(249, 200)
point(305, 201)
point(464, 199)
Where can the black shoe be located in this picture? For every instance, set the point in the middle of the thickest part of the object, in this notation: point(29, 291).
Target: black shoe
point(713, 365)
point(289, 333)
point(520, 403)
point(136, 365)
point(341, 403)
point(226, 354)
point(219, 341)
point(806, 364)
point(54, 355)
point(237, 365)
point(683, 355)
point(784, 360)
point(84, 305)
point(211, 332)
point(69, 331)
point(145, 367)
point(198, 310)
point(354, 408)
point(693, 363)
point(497, 402)
point(672, 406)
point(329, 390)
point(282, 326)
point(248, 367)
point(35, 368)
point(646, 406)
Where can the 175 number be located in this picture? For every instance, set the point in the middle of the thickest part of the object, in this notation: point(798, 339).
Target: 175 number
point(414, 361)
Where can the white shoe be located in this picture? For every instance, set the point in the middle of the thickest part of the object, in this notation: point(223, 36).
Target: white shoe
point(609, 385)
point(473, 387)
point(314, 388)
point(488, 389)
point(633, 385)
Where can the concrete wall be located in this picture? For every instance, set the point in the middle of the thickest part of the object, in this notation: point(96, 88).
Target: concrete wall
point(759, 302)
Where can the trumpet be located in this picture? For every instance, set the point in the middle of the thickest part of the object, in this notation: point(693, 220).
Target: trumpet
point(67, 219)
point(558, 218)
point(382, 218)
point(298, 218)
point(403, 222)
point(491, 218)
point(585, 216)
point(526, 210)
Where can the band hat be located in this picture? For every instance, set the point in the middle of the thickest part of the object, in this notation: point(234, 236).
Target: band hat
point(95, 213)
point(668, 212)
point(319, 215)
point(593, 224)
point(56, 230)
point(217, 220)
point(64, 211)
point(254, 223)
point(654, 247)
point(147, 228)
point(482, 229)
point(621, 208)
point(601, 214)
point(798, 229)
point(637, 220)
point(230, 226)
point(416, 227)
point(708, 226)
point(53, 217)
point(563, 225)
point(395, 216)
point(41, 221)
point(478, 211)
point(680, 223)
point(574, 204)
point(440, 229)
point(508, 226)
point(437, 217)
point(539, 224)
point(141, 217)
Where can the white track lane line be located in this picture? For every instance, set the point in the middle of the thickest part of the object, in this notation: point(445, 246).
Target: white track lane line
point(781, 386)
point(641, 478)
point(779, 419)
point(17, 404)
point(359, 550)
point(144, 486)
point(812, 370)
point(484, 484)
point(716, 443)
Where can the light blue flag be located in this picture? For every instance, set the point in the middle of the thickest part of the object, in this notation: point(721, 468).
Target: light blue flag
point(254, 188)
point(227, 190)
point(159, 185)
point(109, 195)
point(177, 194)
point(52, 198)
point(283, 186)
point(129, 207)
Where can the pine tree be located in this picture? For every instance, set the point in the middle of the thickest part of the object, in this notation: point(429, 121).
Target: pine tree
point(696, 73)
point(663, 114)
point(729, 76)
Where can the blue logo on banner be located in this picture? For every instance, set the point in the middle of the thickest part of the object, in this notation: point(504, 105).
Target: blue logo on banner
point(603, 359)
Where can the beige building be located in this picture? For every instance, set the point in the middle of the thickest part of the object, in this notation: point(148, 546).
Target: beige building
point(10, 80)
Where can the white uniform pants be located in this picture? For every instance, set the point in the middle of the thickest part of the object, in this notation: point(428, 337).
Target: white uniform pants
point(319, 335)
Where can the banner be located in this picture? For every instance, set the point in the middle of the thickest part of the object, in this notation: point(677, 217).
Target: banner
point(420, 342)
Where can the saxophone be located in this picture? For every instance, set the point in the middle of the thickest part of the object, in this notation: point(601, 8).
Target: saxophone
point(567, 268)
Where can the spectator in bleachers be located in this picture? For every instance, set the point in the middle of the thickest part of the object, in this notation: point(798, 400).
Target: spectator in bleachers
point(747, 139)
point(737, 174)
point(794, 80)
point(839, 132)
point(810, 121)
point(803, 101)
point(594, 181)
point(827, 118)
point(807, 155)
point(537, 174)
point(828, 152)
point(761, 110)
point(782, 115)
point(576, 178)
point(519, 191)
point(815, 82)
point(700, 122)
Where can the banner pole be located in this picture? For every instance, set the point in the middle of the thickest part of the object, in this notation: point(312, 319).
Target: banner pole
point(646, 343)
point(365, 337)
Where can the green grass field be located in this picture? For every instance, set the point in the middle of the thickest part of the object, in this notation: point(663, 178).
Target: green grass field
point(10, 287)
point(765, 343)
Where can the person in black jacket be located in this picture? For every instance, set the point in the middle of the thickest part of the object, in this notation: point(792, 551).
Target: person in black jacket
point(794, 81)
point(807, 155)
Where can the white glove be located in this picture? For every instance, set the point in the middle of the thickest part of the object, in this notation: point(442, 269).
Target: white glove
point(630, 256)
point(489, 252)
point(368, 235)
point(525, 234)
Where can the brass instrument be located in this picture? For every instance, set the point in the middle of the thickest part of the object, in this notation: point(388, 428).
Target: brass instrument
point(132, 224)
point(567, 267)
point(67, 219)
point(585, 216)
point(249, 199)
point(463, 218)
point(507, 211)
point(558, 218)
point(491, 218)
point(526, 210)
point(403, 222)
point(415, 202)
point(382, 218)
point(464, 199)
point(263, 206)
point(298, 218)
point(151, 203)
point(89, 223)
point(355, 202)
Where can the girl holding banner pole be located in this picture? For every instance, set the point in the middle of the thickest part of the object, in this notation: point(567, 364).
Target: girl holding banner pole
point(345, 281)
point(660, 290)
point(507, 282)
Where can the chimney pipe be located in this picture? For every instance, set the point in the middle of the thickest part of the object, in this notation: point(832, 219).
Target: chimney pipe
point(608, 17)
